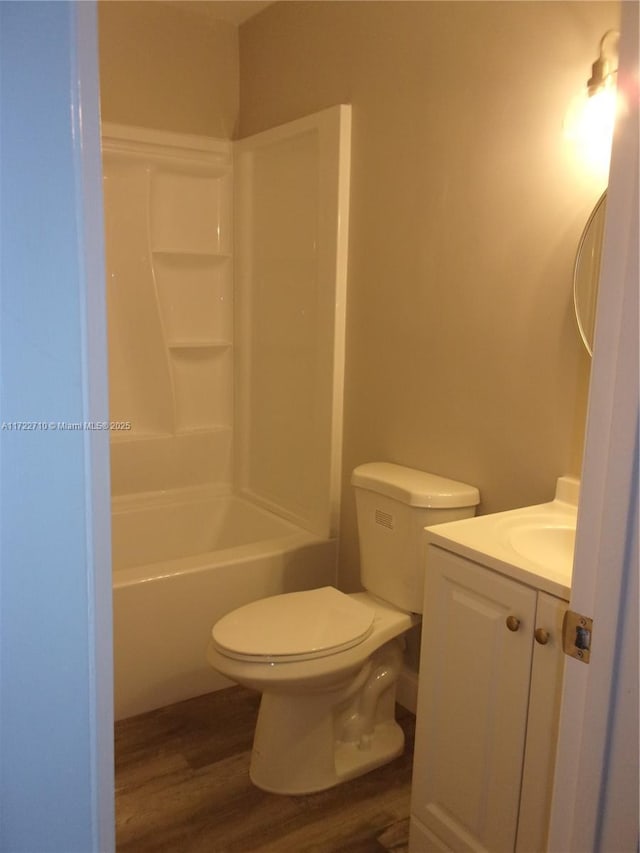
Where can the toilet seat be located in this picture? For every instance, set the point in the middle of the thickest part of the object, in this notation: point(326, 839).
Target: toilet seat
point(296, 626)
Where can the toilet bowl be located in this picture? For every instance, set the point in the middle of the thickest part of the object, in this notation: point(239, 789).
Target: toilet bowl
point(326, 662)
point(323, 717)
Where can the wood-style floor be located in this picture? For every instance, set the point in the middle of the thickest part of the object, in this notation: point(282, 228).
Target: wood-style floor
point(182, 786)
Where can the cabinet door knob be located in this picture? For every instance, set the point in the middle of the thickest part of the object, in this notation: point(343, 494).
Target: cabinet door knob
point(513, 623)
point(541, 636)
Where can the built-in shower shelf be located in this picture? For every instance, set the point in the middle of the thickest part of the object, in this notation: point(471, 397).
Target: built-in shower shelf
point(199, 344)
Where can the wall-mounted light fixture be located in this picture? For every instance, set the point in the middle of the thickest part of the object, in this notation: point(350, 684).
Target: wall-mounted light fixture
point(605, 66)
point(591, 116)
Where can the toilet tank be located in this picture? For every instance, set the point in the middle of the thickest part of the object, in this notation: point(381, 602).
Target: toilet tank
point(394, 504)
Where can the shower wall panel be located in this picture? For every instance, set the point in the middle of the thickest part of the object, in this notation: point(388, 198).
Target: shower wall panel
point(291, 202)
point(168, 221)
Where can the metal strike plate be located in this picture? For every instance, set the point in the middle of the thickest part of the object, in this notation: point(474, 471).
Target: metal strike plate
point(577, 631)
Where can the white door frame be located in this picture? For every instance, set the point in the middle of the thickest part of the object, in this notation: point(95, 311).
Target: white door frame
point(596, 785)
point(56, 697)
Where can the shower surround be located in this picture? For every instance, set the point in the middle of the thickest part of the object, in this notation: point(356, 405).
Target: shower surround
point(226, 358)
point(168, 225)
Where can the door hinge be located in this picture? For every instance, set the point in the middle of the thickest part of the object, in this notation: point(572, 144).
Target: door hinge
point(577, 631)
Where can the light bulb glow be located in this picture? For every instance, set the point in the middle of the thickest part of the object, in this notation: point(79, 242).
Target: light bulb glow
point(589, 126)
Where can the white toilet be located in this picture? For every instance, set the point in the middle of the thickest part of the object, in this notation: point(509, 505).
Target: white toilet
point(326, 662)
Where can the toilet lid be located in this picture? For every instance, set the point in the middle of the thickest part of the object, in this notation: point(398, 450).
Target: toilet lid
point(294, 626)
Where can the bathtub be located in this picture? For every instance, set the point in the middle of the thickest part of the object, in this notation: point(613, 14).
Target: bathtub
point(181, 560)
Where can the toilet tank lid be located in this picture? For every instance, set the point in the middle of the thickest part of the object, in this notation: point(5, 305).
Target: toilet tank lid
point(412, 487)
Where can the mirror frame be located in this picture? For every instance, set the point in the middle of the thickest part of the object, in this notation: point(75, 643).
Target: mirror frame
point(581, 273)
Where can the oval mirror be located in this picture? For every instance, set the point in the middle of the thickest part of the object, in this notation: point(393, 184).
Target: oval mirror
point(587, 272)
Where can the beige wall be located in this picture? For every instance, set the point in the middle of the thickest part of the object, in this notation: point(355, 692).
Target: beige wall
point(167, 66)
point(466, 208)
point(462, 352)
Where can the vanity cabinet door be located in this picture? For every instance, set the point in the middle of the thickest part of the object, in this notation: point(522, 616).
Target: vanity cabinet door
point(472, 707)
point(542, 725)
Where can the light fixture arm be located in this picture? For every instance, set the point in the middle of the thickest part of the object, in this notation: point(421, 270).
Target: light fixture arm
point(602, 69)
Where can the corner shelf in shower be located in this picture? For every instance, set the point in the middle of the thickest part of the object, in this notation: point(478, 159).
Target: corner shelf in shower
point(195, 295)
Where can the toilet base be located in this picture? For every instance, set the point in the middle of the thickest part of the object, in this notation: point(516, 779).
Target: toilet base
point(350, 761)
point(387, 743)
point(309, 742)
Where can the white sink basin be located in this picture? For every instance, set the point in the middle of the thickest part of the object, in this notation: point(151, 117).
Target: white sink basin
point(545, 545)
point(542, 536)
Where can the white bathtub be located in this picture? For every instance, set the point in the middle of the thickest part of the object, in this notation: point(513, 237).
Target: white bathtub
point(180, 561)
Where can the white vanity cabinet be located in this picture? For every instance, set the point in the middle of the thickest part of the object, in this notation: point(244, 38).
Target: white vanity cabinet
point(488, 705)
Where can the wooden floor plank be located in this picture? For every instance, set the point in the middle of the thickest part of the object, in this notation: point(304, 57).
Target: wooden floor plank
point(182, 786)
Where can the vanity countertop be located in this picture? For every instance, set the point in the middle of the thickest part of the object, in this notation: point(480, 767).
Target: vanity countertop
point(533, 544)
